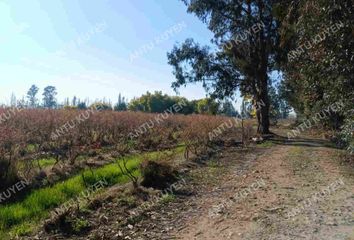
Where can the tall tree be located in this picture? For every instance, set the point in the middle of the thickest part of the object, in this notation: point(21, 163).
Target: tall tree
point(66, 102)
point(49, 97)
point(74, 101)
point(31, 96)
point(121, 104)
point(13, 100)
point(246, 39)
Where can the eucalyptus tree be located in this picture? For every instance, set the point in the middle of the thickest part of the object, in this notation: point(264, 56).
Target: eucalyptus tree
point(49, 97)
point(31, 96)
point(244, 50)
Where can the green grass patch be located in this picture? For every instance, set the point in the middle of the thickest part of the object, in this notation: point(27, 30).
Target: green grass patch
point(167, 198)
point(266, 144)
point(45, 162)
point(31, 148)
point(23, 229)
point(15, 217)
point(80, 224)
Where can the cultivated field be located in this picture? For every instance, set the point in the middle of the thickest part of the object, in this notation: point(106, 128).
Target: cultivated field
point(50, 156)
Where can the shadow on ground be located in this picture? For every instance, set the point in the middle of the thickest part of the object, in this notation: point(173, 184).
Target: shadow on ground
point(301, 142)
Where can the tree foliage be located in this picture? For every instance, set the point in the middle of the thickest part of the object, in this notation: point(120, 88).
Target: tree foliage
point(158, 102)
point(324, 72)
point(322, 33)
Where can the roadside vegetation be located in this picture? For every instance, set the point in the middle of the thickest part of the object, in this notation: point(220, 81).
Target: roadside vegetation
point(21, 216)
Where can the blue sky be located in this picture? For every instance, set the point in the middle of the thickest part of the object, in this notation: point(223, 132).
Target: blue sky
point(85, 48)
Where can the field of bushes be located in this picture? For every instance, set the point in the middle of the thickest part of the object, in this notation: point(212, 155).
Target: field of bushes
point(58, 153)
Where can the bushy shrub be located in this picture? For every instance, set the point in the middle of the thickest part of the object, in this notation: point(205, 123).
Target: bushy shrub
point(157, 175)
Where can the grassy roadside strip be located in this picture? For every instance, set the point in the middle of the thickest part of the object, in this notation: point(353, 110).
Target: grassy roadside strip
point(18, 217)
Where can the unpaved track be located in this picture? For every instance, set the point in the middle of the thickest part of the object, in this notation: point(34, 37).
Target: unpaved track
point(291, 175)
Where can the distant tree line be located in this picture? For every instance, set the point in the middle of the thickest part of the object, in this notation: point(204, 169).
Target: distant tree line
point(156, 102)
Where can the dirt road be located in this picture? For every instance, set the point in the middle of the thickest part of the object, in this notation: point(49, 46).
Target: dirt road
point(294, 190)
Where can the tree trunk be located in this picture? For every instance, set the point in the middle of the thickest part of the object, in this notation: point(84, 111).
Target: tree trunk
point(264, 124)
point(264, 106)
